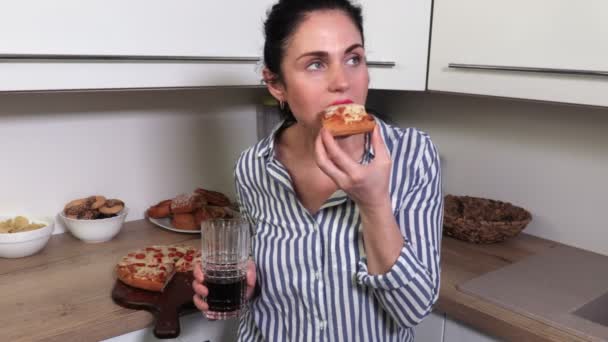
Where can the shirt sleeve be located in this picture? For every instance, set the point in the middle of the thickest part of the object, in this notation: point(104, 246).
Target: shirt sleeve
point(411, 287)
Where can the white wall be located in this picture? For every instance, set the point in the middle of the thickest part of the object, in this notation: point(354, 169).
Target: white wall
point(139, 146)
point(145, 146)
point(549, 158)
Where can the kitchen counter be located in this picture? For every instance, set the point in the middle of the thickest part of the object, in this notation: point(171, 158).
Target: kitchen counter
point(63, 292)
point(463, 261)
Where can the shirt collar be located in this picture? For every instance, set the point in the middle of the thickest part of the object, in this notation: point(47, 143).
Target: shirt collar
point(268, 144)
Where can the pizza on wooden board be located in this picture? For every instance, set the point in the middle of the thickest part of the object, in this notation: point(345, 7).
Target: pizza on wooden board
point(347, 119)
point(152, 268)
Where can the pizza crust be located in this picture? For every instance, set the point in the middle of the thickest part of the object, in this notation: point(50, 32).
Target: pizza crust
point(130, 278)
point(347, 119)
point(340, 128)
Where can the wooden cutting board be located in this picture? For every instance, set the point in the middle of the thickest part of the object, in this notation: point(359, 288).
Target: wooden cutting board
point(166, 306)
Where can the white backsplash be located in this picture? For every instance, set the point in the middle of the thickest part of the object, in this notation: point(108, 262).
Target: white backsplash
point(552, 159)
point(141, 147)
point(145, 146)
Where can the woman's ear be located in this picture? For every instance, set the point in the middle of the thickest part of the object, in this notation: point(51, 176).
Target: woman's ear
point(274, 85)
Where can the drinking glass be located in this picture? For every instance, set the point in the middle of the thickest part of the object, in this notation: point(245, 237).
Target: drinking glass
point(224, 254)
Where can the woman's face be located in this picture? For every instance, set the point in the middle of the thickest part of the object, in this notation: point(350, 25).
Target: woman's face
point(323, 64)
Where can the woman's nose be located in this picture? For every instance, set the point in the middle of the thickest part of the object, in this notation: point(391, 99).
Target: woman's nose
point(338, 81)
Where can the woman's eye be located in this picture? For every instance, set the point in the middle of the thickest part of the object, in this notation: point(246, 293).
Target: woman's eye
point(354, 60)
point(314, 66)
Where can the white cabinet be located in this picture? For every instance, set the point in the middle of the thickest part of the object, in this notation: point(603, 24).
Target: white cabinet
point(229, 30)
point(458, 332)
point(430, 329)
point(194, 328)
point(397, 31)
point(114, 44)
point(142, 335)
point(197, 329)
point(558, 35)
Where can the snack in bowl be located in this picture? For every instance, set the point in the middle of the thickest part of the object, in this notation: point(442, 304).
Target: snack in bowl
point(151, 268)
point(112, 207)
point(94, 218)
point(20, 236)
point(19, 224)
point(93, 207)
point(347, 119)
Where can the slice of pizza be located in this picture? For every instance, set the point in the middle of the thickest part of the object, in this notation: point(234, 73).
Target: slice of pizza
point(347, 119)
point(153, 267)
point(186, 262)
point(144, 269)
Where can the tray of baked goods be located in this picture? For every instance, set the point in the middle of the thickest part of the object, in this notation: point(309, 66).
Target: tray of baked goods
point(158, 279)
point(185, 212)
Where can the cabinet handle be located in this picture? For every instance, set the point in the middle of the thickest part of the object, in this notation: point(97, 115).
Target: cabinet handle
point(156, 58)
point(378, 64)
point(128, 58)
point(528, 69)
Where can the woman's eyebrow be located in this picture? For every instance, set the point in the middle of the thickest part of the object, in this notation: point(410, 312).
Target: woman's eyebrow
point(324, 54)
point(320, 54)
point(353, 47)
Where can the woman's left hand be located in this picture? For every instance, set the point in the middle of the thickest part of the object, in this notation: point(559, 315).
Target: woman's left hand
point(367, 185)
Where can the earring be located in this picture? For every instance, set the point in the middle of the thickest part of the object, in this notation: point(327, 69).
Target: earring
point(282, 105)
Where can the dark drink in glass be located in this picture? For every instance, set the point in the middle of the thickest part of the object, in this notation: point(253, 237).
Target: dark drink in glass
point(224, 256)
point(226, 285)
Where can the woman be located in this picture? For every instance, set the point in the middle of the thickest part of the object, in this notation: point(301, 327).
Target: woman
point(347, 231)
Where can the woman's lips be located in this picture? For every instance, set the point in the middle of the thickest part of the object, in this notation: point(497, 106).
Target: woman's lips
point(339, 102)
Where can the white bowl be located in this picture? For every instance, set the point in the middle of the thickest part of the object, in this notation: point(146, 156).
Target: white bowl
point(97, 230)
point(22, 244)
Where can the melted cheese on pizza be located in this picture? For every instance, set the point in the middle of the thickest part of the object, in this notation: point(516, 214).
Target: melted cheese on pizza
point(348, 113)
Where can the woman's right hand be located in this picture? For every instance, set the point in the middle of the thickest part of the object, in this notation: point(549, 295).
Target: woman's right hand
point(201, 291)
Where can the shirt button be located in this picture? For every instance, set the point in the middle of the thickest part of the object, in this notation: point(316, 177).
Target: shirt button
point(322, 325)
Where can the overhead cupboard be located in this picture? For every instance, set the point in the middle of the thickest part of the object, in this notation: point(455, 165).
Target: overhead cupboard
point(550, 50)
point(114, 44)
point(397, 35)
point(111, 44)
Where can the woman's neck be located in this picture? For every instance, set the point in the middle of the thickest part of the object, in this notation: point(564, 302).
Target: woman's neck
point(299, 142)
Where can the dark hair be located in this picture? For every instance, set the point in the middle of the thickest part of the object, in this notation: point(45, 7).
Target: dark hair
point(283, 20)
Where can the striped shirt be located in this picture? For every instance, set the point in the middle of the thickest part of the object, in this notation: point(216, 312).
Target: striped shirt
point(311, 269)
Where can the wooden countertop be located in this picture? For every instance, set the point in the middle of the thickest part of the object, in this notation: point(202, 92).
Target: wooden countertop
point(463, 261)
point(63, 292)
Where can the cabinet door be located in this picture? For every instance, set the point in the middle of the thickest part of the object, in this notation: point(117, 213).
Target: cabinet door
point(457, 332)
point(194, 328)
point(226, 31)
point(397, 31)
point(565, 39)
point(142, 335)
point(430, 329)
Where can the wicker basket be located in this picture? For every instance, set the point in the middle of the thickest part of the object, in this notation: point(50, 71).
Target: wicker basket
point(481, 220)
